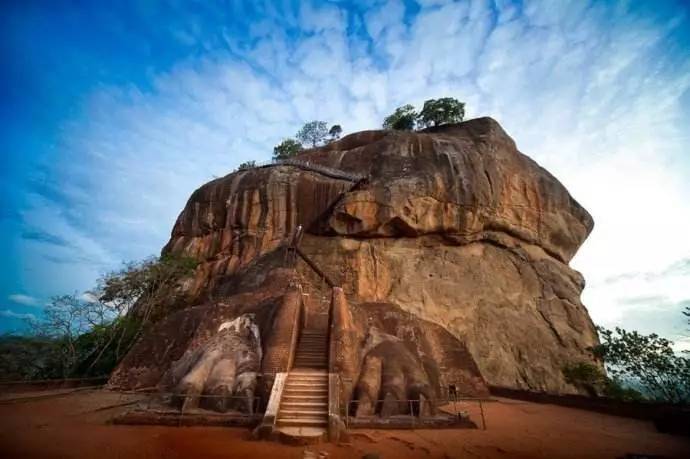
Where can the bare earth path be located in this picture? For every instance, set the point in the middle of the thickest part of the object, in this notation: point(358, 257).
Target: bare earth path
point(67, 426)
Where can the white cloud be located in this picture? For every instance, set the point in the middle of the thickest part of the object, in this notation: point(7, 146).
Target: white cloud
point(587, 90)
point(15, 315)
point(24, 300)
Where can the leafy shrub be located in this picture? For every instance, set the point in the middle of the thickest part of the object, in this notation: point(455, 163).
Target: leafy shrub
point(402, 119)
point(286, 149)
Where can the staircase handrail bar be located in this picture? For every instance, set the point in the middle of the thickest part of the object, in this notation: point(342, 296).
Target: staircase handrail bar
point(310, 166)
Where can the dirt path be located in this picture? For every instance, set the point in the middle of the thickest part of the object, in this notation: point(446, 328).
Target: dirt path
point(68, 426)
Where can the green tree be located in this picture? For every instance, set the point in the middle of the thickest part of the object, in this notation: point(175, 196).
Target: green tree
point(335, 132)
point(246, 165)
point(286, 149)
point(402, 119)
point(594, 381)
point(441, 111)
point(647, 361)
point(89, 334)
point(313, 133)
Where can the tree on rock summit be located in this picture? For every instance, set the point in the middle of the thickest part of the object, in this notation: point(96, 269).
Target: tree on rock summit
point(313, 132)
point(335, 132)
point(441, 111)
point(402, 119)
point(286, 149)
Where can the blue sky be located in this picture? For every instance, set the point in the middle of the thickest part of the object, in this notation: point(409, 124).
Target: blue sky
point(111, 116)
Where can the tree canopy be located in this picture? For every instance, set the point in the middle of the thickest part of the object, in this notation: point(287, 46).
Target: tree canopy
point(286, 149)
point(335, 132)
point(402, 119)
point(313, 133)
point(441, 111)
point(647, 361)
point(246, 165)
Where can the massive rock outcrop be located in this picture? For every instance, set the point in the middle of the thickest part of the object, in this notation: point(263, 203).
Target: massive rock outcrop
point(454, 230)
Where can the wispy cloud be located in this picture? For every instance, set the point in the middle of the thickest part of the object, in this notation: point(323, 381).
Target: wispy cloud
point(593, 91)
point(42, 236)
point(24, 300)
point(16, 315)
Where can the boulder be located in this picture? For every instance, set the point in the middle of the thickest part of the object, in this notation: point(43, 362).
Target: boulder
point(450, 262)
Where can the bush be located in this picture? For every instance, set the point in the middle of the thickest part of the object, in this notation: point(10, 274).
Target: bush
point(593, 379)
point(313, 132)
point(402, 119)
point(647, 361)
point(335, 132)
point(441, 111)
point(286, 149)
point(246, 165)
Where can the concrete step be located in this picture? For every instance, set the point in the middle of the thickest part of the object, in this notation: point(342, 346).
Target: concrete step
point(308, 380)
point(305, 391)
point(301, 422)
point(302, 414)
point(308, 375)
point(310, 398)
point(304, 405)
point(300, 385)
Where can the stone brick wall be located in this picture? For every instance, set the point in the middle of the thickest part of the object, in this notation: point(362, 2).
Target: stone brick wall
point(283, 335)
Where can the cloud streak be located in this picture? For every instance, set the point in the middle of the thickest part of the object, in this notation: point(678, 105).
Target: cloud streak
point(24, 300)
point(16, 315)
point(593, 91)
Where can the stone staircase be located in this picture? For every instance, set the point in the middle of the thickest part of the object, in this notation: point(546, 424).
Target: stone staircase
point(312, 350)
point(303, 408)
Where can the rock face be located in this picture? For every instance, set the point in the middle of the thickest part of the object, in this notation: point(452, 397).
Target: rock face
point(452, 258)
point(222, 371)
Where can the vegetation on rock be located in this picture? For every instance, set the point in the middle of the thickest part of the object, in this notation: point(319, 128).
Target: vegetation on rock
point(246, 165)
point(313, 133)
point(335, 132)
point(441, 111)
point(435, 112)
point(402, 119)
point(286, 149)
point(593, 379)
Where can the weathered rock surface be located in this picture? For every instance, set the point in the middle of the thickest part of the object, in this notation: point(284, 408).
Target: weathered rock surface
point(456, 243)
point(222, 372)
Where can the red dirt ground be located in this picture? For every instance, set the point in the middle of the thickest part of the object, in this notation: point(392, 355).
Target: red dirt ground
point(67, 426)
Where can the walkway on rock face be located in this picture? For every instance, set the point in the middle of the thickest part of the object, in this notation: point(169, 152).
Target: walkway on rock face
point(303, 407)
point(318, 168)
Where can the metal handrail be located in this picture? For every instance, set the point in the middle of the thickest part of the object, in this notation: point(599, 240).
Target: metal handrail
point(308, 165)
point(438, 402)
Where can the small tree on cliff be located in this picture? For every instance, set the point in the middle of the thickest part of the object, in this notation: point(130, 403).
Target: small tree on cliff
point(246, 165)
point(441, 111)
point(286, 149)
point(335, 132)
point(402, 119)
point(313, 133)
